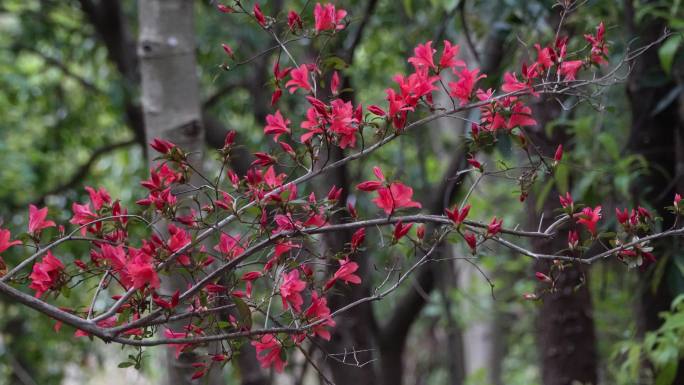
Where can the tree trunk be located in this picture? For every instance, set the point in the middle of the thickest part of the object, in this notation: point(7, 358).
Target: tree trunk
point(171, 108)
point(565, 327)
point(566, 337)
point(656, 134)
point(354, 329)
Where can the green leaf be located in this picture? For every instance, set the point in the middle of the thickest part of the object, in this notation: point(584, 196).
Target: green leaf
point(334, 62)
point(609, 144)
point(543, 194)
point(562, 177)
point(667, 52)
point(675, 322)
point(66, 291)
point(667, 374)
point(408, 8)
point(676, 302)
point(244, 313)
point(634, 358)
point(659, 273)
point(126, 364)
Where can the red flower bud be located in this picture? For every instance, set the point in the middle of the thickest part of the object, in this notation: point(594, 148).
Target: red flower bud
point(357, 238)
point(230, 139)
point(400, 230)
point(471, 241)
point(566, 201)
point(370, 185)
point(258, 15)
point(420, 231)
point(224, 8)
point(542, 277)
point(376, 110)
point(162, 146)
point(294, 21)
point(559, 154)
point(228, 49)
point(473, 162)
point(335, 83)
point(494, 227)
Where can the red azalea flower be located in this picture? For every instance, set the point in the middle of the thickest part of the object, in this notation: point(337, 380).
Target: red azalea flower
point(5, 242)
point(397, 196)
point(82, 215)
point(345, 273)
point(99, 197)
point(521, 115)
point(327, 18)
point(45, 274)
point(229, 246)
point(319, 310)
point(449, 53)
point(343, 123)
point(512, 84)
point(463, 88)
point(37, 220)
point(276, 125)
point(141, 271)
point(290, 290)
point(589, 217)
point(544, 56)
point(423, 56)
point(569, 69)
point(299, 78)
point(599, 49)
point(179, 348)
point(268, 352)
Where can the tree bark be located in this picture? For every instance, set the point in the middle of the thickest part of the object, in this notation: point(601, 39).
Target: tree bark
point(171, 111)
point(565, 327)
point(566, 337)
point(656, 134)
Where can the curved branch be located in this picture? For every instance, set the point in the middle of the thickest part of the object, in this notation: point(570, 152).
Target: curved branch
point(84, 169)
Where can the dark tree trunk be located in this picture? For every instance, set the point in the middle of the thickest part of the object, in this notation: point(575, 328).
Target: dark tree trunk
point(565, 327)
point(354, 330)
point(566, 337)
point(656, 134)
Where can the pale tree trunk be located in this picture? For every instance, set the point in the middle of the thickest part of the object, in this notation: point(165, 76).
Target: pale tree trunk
point(171, 108)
